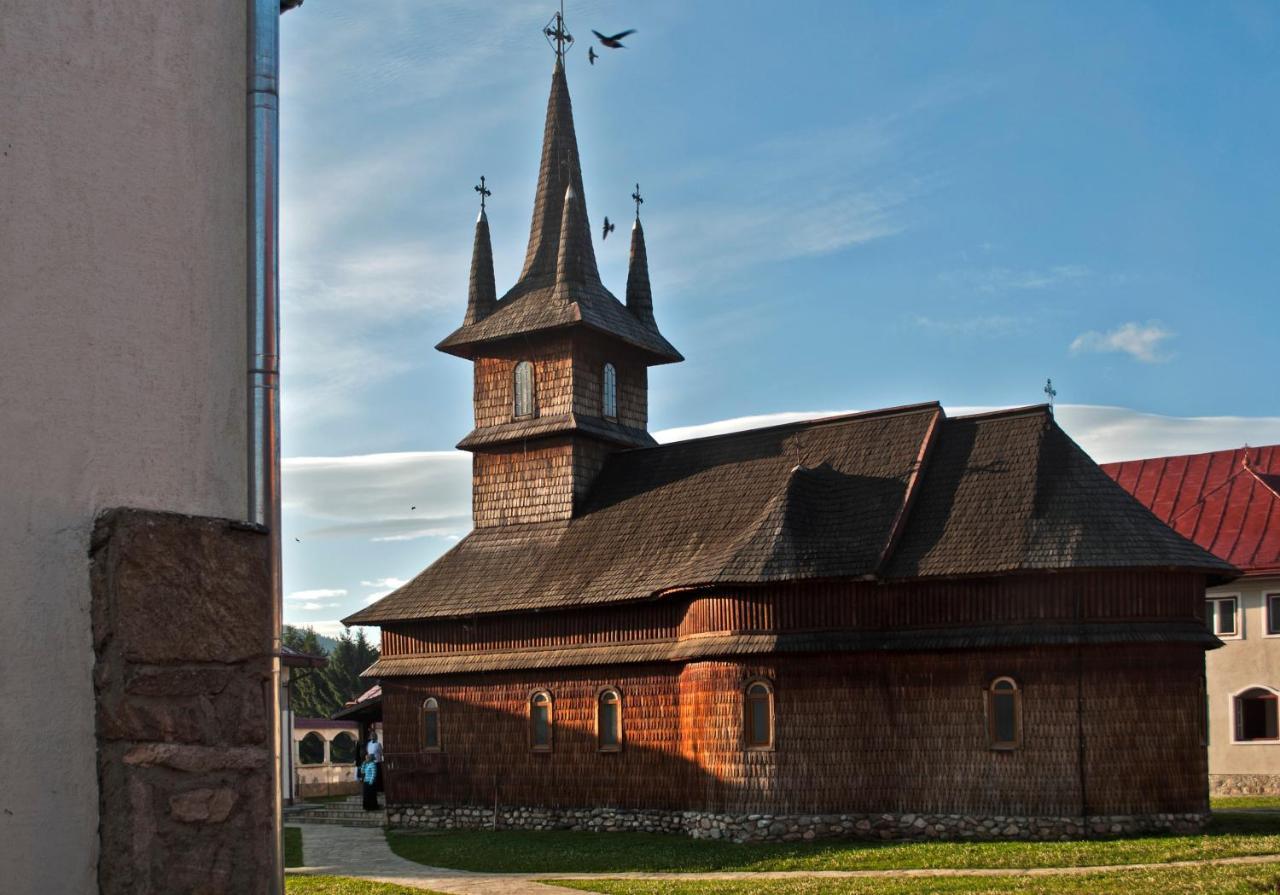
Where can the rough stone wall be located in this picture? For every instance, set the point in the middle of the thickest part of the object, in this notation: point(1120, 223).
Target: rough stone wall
point(182, 634)
point(1244, 784)
point(790, 828)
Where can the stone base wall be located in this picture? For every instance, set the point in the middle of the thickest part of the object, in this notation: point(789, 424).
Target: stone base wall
point(182, 636)
point(1244, 784)
point(788, 828)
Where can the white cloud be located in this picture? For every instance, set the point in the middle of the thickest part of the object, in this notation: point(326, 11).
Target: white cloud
point(313, 607)
point(392, 496)
point(319, 593)
point(1143, 342)
point(334, 628)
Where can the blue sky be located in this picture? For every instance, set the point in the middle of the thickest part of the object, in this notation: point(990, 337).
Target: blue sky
point(848, 206)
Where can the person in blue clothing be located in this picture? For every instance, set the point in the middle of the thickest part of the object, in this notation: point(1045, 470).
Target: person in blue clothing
point(367, 774)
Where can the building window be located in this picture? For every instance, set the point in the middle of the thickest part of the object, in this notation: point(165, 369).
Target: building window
point(1273, 614)
point(525, 399)
point(609, 392)
point(540, 722)
point(1221, 616)
point(342, 749)
point(609, 720)
point(758, 716)
point(431, 725)
point(1004, 714)
point(311, 749)
point(1255, 711)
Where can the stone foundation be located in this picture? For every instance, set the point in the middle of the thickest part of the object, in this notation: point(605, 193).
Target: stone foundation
point(789, 827)
point(1244, 784)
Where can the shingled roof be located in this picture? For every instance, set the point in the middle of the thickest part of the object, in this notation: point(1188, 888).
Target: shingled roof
point(1226, 501)
point(560, 285)
point(893, 494)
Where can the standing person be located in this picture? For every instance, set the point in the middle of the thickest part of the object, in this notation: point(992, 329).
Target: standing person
point(368, 775)
point(374, 751)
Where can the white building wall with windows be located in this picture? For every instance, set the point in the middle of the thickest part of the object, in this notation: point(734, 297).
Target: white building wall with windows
point(1250, 659)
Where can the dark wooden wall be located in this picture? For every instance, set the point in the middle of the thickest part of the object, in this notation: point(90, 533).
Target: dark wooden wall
point(896, 732)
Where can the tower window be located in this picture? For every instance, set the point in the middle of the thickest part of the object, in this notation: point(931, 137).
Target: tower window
point(758, 716)
point(431, 725)
point(524, 403)
point(1004, 714)
point(540, 722)
point(609, 392)
point(609, 721)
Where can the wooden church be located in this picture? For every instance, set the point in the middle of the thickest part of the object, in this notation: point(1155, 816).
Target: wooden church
point(885, 624)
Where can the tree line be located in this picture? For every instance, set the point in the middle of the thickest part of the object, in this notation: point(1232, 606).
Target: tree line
point(319, 692)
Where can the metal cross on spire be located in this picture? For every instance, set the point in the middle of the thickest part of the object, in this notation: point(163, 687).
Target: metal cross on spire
point(1050, 391)
point(484, 191)
point(635, 197)
point(557, 34)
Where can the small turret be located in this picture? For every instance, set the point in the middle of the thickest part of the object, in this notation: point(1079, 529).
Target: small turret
point(482, 293)
point(639, 297)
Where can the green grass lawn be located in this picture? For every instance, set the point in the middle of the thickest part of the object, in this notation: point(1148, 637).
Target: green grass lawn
point(293, 847)
point(1238, 880)
point(565, 852)
point(340, 885)
point(1223, 803)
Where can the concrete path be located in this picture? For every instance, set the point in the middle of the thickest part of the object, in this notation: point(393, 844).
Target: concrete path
point(364, 854)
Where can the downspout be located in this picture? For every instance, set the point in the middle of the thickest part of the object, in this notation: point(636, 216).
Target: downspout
point(263, 228)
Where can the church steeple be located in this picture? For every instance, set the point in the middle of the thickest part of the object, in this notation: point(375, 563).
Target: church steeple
point(482, 293)
point(639, 297)
point(575, 259)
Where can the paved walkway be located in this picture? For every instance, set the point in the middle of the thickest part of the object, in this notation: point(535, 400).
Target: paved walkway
point(364, 854)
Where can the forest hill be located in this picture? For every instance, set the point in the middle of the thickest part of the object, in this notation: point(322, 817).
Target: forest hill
point(320, 692)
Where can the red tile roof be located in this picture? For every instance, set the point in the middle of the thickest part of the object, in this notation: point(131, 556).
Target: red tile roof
point(1226, 501)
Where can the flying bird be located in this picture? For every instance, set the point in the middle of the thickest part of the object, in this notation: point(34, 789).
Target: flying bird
point(608, 228)
point(592, 55)
point(614, 42)
point(413, 508)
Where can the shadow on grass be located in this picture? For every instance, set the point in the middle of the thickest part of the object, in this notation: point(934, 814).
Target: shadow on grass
point(1229, 835)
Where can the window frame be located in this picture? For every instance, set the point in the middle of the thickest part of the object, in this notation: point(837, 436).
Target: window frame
point(1237, 615)
point(532, 410)
point(993, 741)
point(771, 715)
point(1267, 597)
point(432, 705)
point(609, 391)
point(1237, 721)
point(534, 745)
point(602, 746)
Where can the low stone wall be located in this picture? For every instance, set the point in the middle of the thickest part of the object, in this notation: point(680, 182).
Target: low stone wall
point(788, 828)
point(1244, 784)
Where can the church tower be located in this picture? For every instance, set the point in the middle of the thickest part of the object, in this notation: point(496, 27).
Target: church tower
point(561, 366)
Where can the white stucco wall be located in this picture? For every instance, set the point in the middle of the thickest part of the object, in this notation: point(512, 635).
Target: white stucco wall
point(1249, 659)
point(122, 344)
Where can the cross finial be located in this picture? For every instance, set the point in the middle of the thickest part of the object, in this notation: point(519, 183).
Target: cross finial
point(484, 191)
point(557, 34)
point(635, 197)
point(1050, 391)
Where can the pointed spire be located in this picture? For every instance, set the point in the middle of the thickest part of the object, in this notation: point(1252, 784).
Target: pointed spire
point(482, 294)
point(560, 170)
point(576, 260)
point(639, 298)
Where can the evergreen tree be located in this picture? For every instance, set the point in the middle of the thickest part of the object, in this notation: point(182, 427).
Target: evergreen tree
point(318, 693)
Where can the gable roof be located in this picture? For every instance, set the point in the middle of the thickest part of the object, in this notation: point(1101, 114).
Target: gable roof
point(1228, 502)
point(895, 494)
point(560, 285)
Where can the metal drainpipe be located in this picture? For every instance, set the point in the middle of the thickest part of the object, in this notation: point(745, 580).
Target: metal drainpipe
point(264, 353)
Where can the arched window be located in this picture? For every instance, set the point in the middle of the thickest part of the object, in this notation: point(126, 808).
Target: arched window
point(540, 721)
point(609, 392)
point(758, 715)
point(1255, 711)
point(609, 720)
point(1004, 714)
point(342, 749)
point(311, 749)
point(524, 401)
point(431, 725)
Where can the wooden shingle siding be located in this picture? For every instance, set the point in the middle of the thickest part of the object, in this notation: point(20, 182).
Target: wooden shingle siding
point(855, 733)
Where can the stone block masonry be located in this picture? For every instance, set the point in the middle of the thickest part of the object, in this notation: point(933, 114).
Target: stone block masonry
point(182, 639)
point(789, 827)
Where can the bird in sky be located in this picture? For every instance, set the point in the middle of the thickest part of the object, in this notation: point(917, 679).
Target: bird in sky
point(413, 507)
point(592, 55)
point(608, 228)
point(614, 42)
